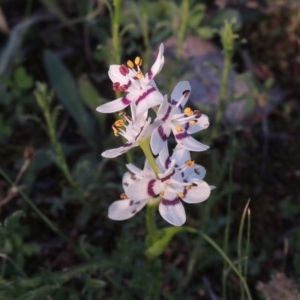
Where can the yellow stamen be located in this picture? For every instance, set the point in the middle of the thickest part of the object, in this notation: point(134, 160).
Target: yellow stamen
point(139, 75)
point(178, 128)
point(119, 123)
point(190, 162)
point(181, 195)
point(192, 122)
point(188, 111)
point(115, 127)
point(138, 61)
point(162, 194)
point(115, 130)
point(130, 64)
point(123, 196)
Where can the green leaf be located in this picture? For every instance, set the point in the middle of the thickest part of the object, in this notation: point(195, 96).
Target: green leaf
point(206, 32)
point(95, 283)
point(68, 94)
point(164, 238)
point(22, 78)
point(13, 219)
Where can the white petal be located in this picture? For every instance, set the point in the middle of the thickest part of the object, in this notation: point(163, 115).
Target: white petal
point(164, 111)
point(112, 153)
point(172, 212)
point(195, 172)
point(149, 98)
point(158, 64)
point(202, 123)
point(198, 193)
point(189, 143)
point(163, 158)
point(178, 92)
point(113, 106)
point(134, 169)
point(159, 138)
point(116, 76)
point(144, 189)
point(181, 155)
point(124, 209)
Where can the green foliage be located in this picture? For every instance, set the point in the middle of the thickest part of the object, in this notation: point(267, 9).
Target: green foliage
point(56, 241)
point(67, 91)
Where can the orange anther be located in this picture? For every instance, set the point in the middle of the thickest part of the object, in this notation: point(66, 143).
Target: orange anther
point(138, 61)
point(130, 64)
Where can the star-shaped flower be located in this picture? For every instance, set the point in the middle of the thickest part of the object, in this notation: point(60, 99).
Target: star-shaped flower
point(180, 180)
point(141, 91)
point(173, 117)
point(132, 131)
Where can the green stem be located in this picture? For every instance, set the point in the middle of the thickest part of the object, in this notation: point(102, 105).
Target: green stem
point(145, 146)
point(230, 264)
point(153, 203)
point(115, 31)
point(150, 219)
point(185, 9)
point(44, 99)
point(228, 38)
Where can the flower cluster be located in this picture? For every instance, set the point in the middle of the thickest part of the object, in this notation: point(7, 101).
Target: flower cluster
point(168, 176)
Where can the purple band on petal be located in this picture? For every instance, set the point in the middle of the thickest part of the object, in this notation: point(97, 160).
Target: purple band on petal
point(169, 202)
point(167, 162)
point(123, 70)
point(161, 133)
point(150, 187)
point(145, 95)
point(125, 100)
point(127, 144)
point(181, 136)
point(150, 74)
point(167, 113)
point(186, 126)
point(167, 177)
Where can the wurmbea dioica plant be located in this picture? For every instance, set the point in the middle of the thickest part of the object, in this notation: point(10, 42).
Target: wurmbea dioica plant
point(169, 176)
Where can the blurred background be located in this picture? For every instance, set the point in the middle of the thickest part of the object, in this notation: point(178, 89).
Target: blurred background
point(56, 241)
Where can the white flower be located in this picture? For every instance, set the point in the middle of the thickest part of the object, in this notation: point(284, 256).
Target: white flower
point(141, 90)
point(132, 131)
point(130, 205)
point(172, 117)
point(180, 179)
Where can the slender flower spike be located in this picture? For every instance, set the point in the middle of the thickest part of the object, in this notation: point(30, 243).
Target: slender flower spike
point(173, 117)
point(180, 180)
point(141, 90)
point(132, 131)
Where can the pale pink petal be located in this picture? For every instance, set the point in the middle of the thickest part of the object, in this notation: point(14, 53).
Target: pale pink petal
point(112, 153)
point(125, 209)
point(150, 97)
point(172, 211)
point(159, 138)
point(116, 76)
point(181, 93)
point(198, 193)
point(189, 143)
point(195, 172)
point(202, 123)
point(113, 106)
point(181, 155)
point(144, 189)
point(158, 64)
